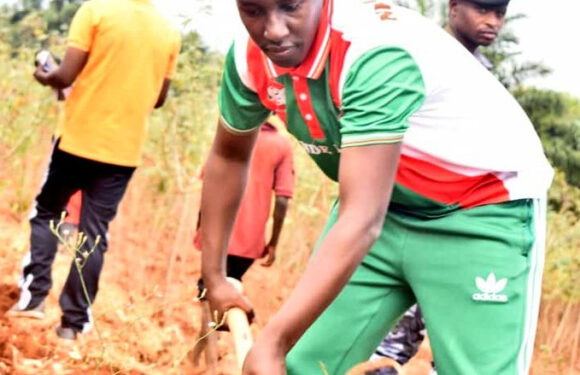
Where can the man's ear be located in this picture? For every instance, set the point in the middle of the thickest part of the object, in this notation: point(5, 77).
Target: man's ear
point(453, 7)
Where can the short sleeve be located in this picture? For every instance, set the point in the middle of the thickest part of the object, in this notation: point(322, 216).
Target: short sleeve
point(284, 175)
point(83, 28)
point(172, 65)
point(239, 106)
point(382, 89)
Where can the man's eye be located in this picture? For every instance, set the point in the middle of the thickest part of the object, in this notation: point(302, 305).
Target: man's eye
point(482, 10)
point(252, 12)
point(291, 7)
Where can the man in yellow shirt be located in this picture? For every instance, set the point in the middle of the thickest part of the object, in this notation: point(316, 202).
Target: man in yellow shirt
point(121, 56)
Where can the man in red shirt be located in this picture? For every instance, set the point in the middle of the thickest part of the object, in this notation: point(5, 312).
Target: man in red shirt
point(271, 168)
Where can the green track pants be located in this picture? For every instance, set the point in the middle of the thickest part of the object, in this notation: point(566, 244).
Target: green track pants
point(476, 274)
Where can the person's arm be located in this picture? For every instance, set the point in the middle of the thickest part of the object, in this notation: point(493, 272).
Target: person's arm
point(223, 186)
point(284, 190)
point(72, 64)
point(366, 179)
point(280, 208)
point(171, 69)
point(163, 93)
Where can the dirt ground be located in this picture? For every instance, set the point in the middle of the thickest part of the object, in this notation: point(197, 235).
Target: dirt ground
point(146, 319)
point(142, 329)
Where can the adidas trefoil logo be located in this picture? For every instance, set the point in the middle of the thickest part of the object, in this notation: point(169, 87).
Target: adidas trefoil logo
point(490, 289)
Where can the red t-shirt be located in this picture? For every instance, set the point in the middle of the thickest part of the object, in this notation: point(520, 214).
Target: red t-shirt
point(271, 169)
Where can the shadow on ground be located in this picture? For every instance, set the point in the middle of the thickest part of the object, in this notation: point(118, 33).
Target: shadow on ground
point(9, 294)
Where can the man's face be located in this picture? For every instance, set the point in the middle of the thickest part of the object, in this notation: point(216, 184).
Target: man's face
point(474, 24)
point(283, 29)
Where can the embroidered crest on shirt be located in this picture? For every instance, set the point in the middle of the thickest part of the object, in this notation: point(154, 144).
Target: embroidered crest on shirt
point(382, 9)
point(276, 94)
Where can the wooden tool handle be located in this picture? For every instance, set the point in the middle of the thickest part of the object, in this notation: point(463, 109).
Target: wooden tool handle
point(237, 321)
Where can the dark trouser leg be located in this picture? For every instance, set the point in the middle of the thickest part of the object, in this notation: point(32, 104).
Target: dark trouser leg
point(237, 266)
point(102, 194)
point(61, 182)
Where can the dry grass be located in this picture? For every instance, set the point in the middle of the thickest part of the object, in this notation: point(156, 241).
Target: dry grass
point(145, 308)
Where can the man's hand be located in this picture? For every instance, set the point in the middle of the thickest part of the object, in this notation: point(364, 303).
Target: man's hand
point(267, 357)
point(72, 64)
point(40, 75)
point(222, 296)
point(270, 256)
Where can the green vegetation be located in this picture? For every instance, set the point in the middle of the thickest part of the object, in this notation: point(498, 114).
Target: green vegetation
point(31, 23)
point(180, 133)
point(556, 117)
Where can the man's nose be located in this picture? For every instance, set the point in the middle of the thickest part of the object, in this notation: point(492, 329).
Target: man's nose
point(276, 29)
point(494, 20)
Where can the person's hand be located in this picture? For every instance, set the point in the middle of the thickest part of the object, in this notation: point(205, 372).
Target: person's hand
point(222, 296)
point(270, 256)
point(40, 75)
point(266, 357)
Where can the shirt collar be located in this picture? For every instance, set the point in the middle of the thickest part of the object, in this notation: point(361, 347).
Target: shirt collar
point(477, 54)
point(313, 65)
point(483, 60)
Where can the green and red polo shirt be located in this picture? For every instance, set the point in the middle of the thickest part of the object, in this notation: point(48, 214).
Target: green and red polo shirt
point(381, 74)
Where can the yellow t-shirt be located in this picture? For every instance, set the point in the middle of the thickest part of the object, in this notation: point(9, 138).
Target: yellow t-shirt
point(132, 48)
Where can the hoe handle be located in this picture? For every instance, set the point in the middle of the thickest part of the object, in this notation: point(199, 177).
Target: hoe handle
point(237, 321)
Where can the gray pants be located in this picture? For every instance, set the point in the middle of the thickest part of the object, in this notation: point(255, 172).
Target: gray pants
point(403, 341)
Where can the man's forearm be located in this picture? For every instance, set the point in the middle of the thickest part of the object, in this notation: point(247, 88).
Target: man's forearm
point(53, 79)
point(223, 187)
point(366, 180)
point(280, 209)
point(64, 76)
point(224, 181)
point(339, 255)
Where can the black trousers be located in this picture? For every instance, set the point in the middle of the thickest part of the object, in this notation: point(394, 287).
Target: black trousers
point(236, 267)
point(103, 186)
